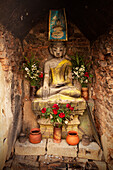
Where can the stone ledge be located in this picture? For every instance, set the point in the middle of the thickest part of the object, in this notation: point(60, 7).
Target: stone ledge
point(61, 149)
point(92, 151)
point(100, 164)
point(28, 148)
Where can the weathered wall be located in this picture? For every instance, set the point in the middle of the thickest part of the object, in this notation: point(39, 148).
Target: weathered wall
point(11, 93)
point(102, 58)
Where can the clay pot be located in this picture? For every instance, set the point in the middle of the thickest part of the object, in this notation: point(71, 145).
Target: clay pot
point(84, 93)
point(86, 140)
point(57, 133)
point(72, 138)
point(35, 135)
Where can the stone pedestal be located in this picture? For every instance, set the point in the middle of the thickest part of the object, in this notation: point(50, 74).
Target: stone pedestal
point(47, 128)
point(28, 148)
point(79, 105)
point(92, 151)
point(61, 149)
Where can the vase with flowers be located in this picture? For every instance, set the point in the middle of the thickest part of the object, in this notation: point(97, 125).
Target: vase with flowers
point(59, 115)
point(80, 72)
point(32, 72)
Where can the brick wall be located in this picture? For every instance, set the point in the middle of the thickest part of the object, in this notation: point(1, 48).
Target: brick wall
point(102, 64)
point(11, 92)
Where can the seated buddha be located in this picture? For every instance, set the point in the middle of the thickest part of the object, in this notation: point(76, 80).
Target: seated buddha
point(58, 74)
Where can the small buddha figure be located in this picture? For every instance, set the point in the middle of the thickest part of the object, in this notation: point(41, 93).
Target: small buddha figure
point(57, 74)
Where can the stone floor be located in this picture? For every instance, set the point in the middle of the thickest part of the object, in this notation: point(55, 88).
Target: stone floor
point(49, 162)
point(48, 155)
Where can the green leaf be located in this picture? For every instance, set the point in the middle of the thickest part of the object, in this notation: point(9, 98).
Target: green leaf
point(48, 113)
point(77, 58)
point(48, 110)
point(90, 75)
point(60, 120)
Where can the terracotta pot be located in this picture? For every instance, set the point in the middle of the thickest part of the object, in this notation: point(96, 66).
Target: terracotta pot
point(57, 133)
point(35, 135)
point(72, 138)
point(84, 93)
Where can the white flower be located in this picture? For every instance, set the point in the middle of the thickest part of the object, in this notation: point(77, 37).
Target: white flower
point(82, 73)
point(81, 81)
point(26, 69)
point(76, 72)
point(81, 69)
point(38, 71)
point(51, 116)
point(86, 81)
point(66, 122)
point(25, 76)
point(82, 66)
point(33, 65)
point(76, 68)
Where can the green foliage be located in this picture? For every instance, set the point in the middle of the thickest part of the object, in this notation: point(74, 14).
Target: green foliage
point(32, 70)
point(58, 113)
point(80, 70)
point(77, 60)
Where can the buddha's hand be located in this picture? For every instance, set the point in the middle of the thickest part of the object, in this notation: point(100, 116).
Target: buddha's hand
point(45, 92)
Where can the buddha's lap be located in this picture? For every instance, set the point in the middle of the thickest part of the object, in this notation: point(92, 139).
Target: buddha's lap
point(66, 90)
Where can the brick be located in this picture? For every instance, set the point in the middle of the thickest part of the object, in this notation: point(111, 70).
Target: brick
point(61, 149)
point(31, 157)
point(28, 148)
point(25, 162)
point(101, 165)
point(92, 151)
point(50, 158)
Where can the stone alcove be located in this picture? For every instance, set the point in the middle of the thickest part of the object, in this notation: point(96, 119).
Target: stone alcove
point(36, 42)
point(15, 90)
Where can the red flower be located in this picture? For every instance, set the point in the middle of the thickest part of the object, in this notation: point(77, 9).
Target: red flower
point(68, 105)
point(56, 106)
point(41, 75)
point(86, 74)
point(55, 111)
point(71, 108)
point(43, 110)
point(61, 115)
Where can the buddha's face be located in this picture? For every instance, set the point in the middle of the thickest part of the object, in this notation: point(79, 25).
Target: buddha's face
point(58, 50)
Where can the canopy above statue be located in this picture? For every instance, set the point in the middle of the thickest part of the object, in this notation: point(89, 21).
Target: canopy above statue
point(57, 25)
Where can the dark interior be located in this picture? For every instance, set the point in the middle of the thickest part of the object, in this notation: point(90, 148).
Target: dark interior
point(93, 18)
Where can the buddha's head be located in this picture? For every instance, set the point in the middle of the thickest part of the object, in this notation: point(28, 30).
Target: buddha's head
point(57, 49)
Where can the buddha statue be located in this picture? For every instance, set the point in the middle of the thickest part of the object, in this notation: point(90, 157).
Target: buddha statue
point(58, 89)
point(58, 75)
